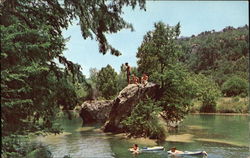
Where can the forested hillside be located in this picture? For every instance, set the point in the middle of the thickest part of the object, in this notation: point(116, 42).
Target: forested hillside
point(223, 55)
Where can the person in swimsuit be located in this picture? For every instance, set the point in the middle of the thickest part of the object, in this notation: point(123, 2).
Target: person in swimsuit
point(128, 70)
point(134, 149)
point(174, 151)
point(135, 79)
point(144, 79)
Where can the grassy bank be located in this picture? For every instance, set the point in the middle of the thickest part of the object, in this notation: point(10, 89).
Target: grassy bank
point(226, 105)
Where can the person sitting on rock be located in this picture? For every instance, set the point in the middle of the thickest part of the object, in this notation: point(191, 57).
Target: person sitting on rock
point(144, 79)
point(135, 79)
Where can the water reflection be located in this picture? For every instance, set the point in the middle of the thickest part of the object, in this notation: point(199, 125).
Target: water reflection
point(78, 142)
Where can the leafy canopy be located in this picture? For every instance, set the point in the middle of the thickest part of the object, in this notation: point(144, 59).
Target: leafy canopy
point(107, 82)
point(143, 121)
point(235, 86)
point(158, 49)
point(32, 84)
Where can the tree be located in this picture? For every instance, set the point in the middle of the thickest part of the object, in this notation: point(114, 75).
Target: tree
point(95, 17)
point(235, 86)
point(122, 78)
point(93, 75)
point(158, 56)
point(31, 41)
point(158, 49)
point(177, 94)
point(218, 54)
point(207, 91)
point(144, 122)
point(107, 82)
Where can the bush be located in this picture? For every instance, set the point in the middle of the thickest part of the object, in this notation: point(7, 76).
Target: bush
point(235, 86)
point(233, 105)
point(236, 99)
point(208, 92)
point(143, 121)
point(209, 105)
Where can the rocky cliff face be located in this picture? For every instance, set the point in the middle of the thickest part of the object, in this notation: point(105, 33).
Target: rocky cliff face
point(125, 102)
point(95, 111)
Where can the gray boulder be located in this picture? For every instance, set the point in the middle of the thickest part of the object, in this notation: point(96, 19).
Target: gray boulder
point(95, 111)
point(126, 101)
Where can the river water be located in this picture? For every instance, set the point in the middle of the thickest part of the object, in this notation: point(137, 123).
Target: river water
point(221, 136)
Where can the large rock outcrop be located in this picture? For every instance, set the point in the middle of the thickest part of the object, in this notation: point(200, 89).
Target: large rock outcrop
point(126, 101)
point(95, 111)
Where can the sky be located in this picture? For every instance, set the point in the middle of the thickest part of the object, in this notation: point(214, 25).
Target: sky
point(194, 16)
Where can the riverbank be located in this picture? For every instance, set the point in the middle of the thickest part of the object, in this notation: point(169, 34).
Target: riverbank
point(226, 105)
point(196, 132)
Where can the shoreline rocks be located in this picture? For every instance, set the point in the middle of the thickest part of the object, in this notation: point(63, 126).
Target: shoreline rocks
point(95, 111)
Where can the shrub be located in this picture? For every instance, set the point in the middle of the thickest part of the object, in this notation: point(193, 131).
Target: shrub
point(209, 105)
point(207, 92)
point(235, 86)
point(143, 121)
point(236, 99)
point(233, 105)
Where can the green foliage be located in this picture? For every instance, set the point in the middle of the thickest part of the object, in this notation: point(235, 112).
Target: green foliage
point(236, 99)
point(218, 54)
point(143, 121)
point(207, 92)
point(19, 146)
point(107, 80)
point(93, 75)
point(233, 105)
point(235, 86)
point(95, 17)
point(158, 49)
point(122, 78)
point(32, 84)
point(158, 56)
point(66, 94)
point(178, 92)
point(40, 152)
point(226, 105)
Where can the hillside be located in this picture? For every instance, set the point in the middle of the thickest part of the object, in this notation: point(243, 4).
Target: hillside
point(220, 54)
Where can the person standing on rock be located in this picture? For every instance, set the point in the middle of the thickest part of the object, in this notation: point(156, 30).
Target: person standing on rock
point(128, 69)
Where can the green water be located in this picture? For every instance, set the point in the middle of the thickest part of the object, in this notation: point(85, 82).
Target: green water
point(219, 135)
